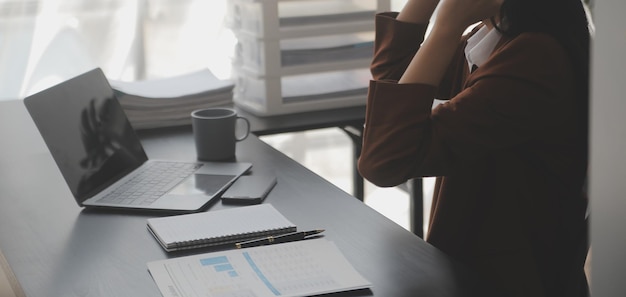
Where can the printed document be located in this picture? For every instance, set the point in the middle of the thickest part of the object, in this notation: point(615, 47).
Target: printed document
point(300, 268)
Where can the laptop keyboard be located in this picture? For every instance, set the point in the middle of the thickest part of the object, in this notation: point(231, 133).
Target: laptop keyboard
point(151, 183)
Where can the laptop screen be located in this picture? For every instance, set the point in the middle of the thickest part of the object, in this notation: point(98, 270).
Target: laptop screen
point(87, 132)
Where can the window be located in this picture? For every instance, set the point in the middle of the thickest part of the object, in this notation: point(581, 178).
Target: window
point(43, 42)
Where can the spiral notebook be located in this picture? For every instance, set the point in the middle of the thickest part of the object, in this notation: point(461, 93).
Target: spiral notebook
point(219, 227)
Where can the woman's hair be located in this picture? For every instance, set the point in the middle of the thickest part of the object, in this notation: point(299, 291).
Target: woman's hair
point(564, 20)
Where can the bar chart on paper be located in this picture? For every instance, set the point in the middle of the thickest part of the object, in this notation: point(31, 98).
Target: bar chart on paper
point(308, 267)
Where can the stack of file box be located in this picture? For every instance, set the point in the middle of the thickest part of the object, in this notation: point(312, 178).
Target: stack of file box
point(301, 55)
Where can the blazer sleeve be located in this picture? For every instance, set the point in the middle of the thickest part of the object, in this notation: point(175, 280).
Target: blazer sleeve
point(511, 99)
point(395, 44)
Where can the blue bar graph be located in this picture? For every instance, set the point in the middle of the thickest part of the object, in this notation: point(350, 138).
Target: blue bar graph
point(223, 267)
point(220, 264)
point(214, 261)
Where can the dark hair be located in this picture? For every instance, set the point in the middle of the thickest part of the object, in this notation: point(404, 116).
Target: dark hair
point(564, 20)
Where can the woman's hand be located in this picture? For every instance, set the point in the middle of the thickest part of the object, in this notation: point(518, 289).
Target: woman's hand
point(460, 14)
point(453, 17)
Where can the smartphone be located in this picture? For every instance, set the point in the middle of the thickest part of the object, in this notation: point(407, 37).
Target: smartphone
point(249, 189)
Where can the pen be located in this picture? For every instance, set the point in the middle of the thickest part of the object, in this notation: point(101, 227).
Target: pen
point(278, 239)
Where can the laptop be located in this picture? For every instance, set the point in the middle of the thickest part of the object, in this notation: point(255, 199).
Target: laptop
point(102, 159)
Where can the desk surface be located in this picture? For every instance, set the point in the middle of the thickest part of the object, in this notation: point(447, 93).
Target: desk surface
point(56, 248)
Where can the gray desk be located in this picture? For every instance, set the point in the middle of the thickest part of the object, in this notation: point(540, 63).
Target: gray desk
point(56, 248)
point(350, 120)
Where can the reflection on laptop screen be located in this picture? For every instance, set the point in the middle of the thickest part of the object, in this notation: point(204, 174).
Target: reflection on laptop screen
point(87, 133)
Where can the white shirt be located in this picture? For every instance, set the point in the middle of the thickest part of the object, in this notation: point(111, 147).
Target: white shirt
point(480, 46)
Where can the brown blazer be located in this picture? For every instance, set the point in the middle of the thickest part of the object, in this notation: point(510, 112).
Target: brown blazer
point(508, 149)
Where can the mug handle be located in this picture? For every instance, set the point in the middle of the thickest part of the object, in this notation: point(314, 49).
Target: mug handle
point(245, 135)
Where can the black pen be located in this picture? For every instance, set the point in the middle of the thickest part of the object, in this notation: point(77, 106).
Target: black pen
point(278, 239)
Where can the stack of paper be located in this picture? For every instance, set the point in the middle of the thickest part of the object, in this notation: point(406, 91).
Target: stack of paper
point(170, 101)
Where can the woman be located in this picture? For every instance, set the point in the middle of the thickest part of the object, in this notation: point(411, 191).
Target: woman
point(509, 144)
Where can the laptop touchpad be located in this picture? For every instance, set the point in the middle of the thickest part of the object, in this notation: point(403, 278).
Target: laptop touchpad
point(205, 184)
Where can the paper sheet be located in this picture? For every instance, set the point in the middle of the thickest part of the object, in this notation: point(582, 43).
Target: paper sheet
point(301, 268)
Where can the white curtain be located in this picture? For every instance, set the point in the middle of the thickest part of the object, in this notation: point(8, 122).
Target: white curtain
point(43, 42)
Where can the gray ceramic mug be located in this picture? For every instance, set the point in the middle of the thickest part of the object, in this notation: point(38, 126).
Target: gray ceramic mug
point(215, 132)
